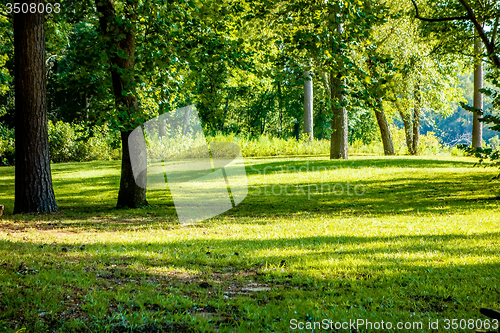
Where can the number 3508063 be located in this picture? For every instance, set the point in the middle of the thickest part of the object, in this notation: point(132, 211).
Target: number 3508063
point(33, 8)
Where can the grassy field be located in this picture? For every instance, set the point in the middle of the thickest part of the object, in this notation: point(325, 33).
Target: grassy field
point(409, 240)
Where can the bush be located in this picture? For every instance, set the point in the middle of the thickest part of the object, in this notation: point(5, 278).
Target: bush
point(7, 148)
point(73, 143)
point(76, 142)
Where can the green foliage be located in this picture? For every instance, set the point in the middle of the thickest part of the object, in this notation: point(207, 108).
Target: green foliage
point(265, 145)
point(73, 143)
point(7, 149)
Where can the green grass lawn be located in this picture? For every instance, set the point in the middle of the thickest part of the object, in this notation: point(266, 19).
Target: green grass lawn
point(419, 241)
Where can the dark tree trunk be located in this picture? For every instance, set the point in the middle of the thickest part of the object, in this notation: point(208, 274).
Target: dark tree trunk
point(416, 118)
point(33, 181)
point(296, 131)
point(339, 139)
point(130, 194)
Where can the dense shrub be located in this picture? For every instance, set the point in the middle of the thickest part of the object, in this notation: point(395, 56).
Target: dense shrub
point(77, 143)
point(7, 150)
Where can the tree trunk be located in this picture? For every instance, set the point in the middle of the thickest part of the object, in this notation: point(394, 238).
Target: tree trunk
point(33, 181)
point(130, 194)
point(408, 129)
point(308, 105)
point(339, 139)
point(385, 133)
point(477, 126)
point(162, 131)
point(280, 105)
point(416, 118)
point(226, 108)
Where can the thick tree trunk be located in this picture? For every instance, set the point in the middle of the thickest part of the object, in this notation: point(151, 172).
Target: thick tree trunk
point(339, 139)
point(416, 118)
point(33, 181)
point(130, 194)
point(308, 105)
point(477, 126)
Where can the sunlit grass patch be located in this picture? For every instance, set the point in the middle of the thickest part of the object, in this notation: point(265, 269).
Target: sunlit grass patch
point(421, 242)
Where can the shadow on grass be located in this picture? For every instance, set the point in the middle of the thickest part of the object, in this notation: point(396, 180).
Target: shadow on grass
point(81, 199)
point(320, 276)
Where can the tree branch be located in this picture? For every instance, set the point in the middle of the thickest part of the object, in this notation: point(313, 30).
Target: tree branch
point(495, 29)
point(454, 18)
point(490, 47)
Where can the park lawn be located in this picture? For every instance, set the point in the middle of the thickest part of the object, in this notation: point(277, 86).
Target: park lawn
point(420, 244)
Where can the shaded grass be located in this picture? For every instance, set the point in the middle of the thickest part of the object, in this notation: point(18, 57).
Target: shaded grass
point(421, 243)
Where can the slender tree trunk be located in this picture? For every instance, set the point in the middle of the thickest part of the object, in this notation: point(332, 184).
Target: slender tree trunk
point(130, 194)
point(407, 127)
point(280, 105)
point(416, 118)
point(296, 131)
point(162, 131)
point(308, 105)
point(477, 126)
point(385, 133)
point(33, 181)
point(339, 139)
point(187, 116)
point(226, 108)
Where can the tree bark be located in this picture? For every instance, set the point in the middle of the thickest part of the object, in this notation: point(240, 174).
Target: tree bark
point(385, 133)
point(130, 194)
point(33, 180)
point(308, 105)
point(477, 126)
point(407, 123)
point(339, 139)
point(416, 118)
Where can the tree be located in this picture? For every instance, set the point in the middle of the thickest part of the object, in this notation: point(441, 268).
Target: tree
point(473, 17)
point(308, 105)
point(478, 15)
point(122, 57)
point(379, 106)
point(325, 31)
point(414, 79)
point(33, 181)
point(477, 125)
